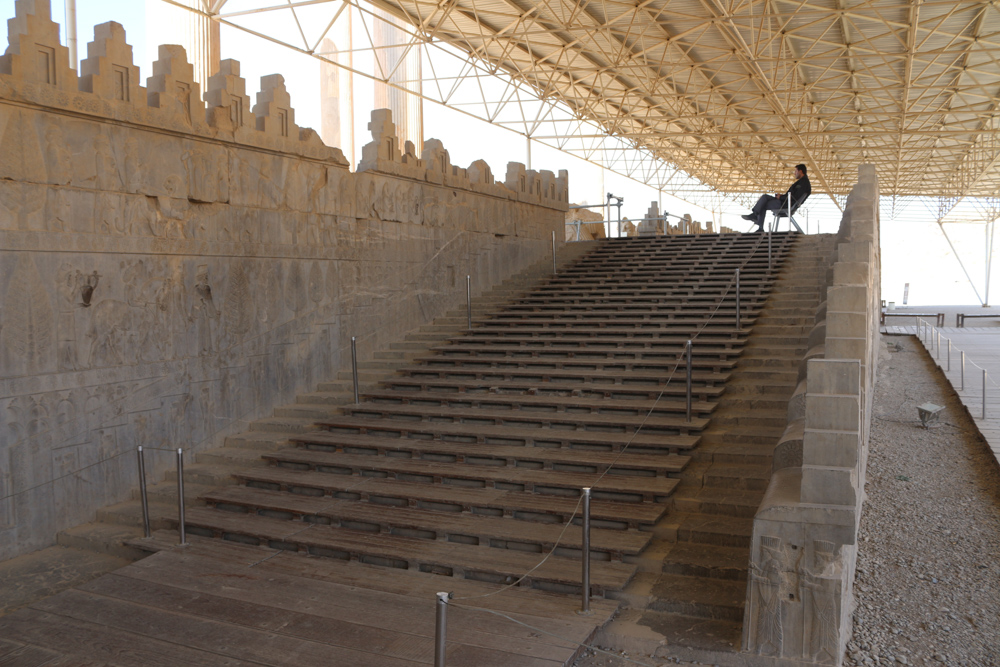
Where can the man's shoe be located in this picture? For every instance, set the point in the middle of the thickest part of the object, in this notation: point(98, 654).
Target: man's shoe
point(749, 216)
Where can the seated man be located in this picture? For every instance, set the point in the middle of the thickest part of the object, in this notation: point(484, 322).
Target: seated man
point(798, 191)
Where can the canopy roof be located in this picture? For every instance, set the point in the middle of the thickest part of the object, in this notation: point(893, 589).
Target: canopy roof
point(730, 92)
point(735, 91)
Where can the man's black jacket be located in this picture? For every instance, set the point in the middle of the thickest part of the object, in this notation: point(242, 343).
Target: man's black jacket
point(798, 192)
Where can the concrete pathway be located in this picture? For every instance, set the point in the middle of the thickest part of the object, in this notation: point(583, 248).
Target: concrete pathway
point(981, 346)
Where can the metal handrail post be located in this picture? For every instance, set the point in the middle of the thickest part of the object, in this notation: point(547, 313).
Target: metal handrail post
point(984, 393)
point(963, 369)
point(354, 368)
point(468, 299)
point(440, 629)
point(738, 327)
point(769, 249)
point(146, 532)
point(180, 495)
point(554, 251)
point(585, 555)
point(689, 380)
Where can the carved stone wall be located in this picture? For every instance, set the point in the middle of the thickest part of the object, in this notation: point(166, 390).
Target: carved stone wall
point(170, 270)
point(804, 550)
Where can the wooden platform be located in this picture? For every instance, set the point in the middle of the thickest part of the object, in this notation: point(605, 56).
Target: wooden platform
point(216, 603)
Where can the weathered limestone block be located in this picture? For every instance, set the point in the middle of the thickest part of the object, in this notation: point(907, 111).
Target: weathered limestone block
point(384, 145)
point(228, 102)
point(172, 87)
point(108, 72)
point(273, 111)
point(34, 53)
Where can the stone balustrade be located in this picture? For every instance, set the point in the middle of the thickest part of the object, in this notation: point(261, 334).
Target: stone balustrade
point(804, 549)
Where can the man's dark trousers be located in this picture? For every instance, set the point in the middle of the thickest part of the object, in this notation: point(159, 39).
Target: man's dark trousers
point(764, 204)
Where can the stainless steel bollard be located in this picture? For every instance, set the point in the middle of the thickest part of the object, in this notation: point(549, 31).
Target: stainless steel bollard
point(738, 327)
point(146, 532)
point(180, 495)
point(554, 251)
point(440, 629)
point(468, 298)
point(963, 369)
point(354, 368)
point(585, 551)
point(689, 380)
point(984, 393)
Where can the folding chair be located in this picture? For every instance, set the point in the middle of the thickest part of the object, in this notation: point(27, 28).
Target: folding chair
point(783, 213)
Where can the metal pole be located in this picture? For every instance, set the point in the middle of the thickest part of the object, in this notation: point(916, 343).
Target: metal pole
point(71, 36)
point(963, 370)
point(554, 252)
point(468, 300)
point(984, 393)
point(146, 532)
point(585, 555)
point(738, 327)
point(440, 629)
point(689, 380)
point(180, 494)
point(354, 368)
point(949, 355)
point(769, 249)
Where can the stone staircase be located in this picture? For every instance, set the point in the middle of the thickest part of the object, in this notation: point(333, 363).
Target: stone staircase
point(118, 525)
point(469, 459)
point(693, 587)
point(466, 455)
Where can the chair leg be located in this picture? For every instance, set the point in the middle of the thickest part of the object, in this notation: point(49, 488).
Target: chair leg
point(791, 221)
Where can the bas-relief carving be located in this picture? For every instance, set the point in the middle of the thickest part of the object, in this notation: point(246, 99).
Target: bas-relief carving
point(110, 313)
point(239, 304)
point(821, 584)
point(204, 313)
point(27, 328)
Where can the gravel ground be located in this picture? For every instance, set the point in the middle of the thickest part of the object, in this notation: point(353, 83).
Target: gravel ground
point(928, 578)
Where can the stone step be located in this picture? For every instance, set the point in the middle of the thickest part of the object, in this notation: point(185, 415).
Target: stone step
point(449, 498)
point(714, 529)
point(284, 424)
point(746, 435)
point(258, 440)
point(314, 411)
point(711, 562)
point(395, 551)
point(724, 502)
point(701, 597)
point(466, 528)
point(230, 456)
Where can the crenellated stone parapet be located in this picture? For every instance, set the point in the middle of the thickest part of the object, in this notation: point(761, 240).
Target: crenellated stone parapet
point(383, 155)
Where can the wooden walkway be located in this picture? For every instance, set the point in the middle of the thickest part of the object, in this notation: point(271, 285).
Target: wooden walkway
point(982, 351)
point(215, 603)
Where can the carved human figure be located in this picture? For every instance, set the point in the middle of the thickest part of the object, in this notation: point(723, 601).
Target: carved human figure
point(824, 636)
point(58, 161)
point(768, 578)
point(134, 173)
point(204, 312)
point(106, 168)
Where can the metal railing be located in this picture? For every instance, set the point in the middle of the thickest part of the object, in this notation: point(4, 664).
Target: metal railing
point(931, 338)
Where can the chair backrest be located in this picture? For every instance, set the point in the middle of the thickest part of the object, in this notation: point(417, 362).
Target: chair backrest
point(782, 212)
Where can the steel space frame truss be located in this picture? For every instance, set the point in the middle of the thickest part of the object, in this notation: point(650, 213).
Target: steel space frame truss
point(473, 86)
point(702, 97)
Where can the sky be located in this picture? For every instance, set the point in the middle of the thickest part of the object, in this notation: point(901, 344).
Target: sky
point(915, 250)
